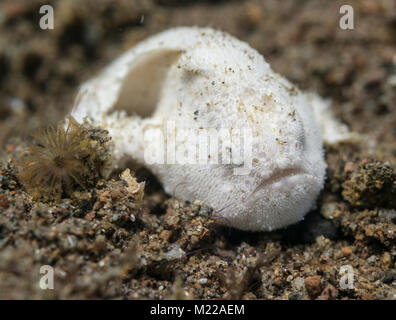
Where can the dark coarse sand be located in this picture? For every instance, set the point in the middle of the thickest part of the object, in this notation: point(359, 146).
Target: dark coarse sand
point(107, 242)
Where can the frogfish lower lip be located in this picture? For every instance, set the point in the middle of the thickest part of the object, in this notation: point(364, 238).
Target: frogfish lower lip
point(276, 178)
point(279, 175)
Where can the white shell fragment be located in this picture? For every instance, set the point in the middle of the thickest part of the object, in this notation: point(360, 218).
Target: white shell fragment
point(170, 99)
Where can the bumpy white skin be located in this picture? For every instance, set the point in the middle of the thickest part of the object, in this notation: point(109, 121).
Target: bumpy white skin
point(199, 77)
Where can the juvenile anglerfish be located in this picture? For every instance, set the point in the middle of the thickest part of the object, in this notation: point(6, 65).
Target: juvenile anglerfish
point(160, 99)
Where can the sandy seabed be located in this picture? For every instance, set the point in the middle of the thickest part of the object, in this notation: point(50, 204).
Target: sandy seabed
point(106, 243)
